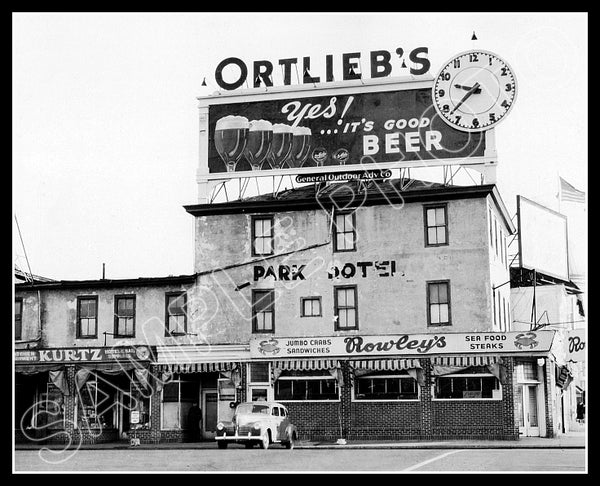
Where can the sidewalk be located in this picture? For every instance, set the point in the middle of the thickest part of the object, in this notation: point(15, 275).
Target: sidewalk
point(571, 440)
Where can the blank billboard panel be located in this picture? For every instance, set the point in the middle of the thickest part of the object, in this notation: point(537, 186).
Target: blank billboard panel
point(542, 239)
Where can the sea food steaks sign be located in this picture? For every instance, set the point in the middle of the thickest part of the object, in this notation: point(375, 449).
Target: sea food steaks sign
point(352, 130)
point(75, 355)
point(405, 344)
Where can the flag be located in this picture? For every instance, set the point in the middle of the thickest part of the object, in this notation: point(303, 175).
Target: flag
point(569, 193)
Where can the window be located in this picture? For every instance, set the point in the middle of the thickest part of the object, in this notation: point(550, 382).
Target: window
point(491, 227)
point(178, 396)
point(494, 307)
point(436, 225)
point(472, 383)
point(496, 235)
point(87, 317)
point(176, 315)
point(310, 307)
point(262, 236)
point(263, 311)
point(345, 307)
point(384, 386)
point(344, 237)
point(50, 413)
point(259, 381)
point(18, 318)
point(138, 401)
point(259, 373)
point(96, 405)
point(438, 303)
point(124, 316)
point(306, 385)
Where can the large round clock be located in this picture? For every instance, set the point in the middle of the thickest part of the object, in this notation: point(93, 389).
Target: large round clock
point(474, 90)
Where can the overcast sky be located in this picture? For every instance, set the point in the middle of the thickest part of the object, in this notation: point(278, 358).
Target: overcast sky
point(105, 119)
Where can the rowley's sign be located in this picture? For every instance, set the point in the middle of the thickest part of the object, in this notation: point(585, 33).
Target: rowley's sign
point(400, 344)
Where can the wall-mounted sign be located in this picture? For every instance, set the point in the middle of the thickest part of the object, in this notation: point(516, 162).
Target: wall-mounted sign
point(134, 417)
point(316, 134)
point(400, 344)
point(576, 345)
point(78, 355)
point(380, 268)
point(232, 72)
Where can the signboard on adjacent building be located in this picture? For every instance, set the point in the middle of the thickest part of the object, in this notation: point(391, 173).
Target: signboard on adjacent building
point(335, 129)
point(82, 355)
point(400, 344)
point(542, 239)
point(576, 345)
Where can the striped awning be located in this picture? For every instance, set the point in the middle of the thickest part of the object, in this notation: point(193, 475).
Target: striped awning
point(306, 364)
point(464, 361)
point(386, 364)
point(197, 367)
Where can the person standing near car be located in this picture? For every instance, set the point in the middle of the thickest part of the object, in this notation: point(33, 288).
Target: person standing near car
point(194, 422)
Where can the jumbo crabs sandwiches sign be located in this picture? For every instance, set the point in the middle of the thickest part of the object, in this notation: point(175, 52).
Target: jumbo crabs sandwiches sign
point(405, 344)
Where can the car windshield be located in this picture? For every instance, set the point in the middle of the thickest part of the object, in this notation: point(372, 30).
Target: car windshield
point(245, 408)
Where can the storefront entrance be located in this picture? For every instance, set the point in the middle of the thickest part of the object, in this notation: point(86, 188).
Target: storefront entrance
point(529, 418)
point(209, 413)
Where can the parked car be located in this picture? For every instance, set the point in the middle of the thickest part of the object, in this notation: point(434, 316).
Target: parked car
point(262, 423)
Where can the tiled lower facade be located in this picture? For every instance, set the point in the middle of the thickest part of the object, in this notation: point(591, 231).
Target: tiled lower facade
point(422, 419)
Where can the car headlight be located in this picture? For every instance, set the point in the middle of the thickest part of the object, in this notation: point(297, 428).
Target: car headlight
point(256, 426)
point(220, 426)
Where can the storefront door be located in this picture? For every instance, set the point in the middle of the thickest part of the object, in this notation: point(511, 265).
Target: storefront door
point(209, 413)
point(529, 420)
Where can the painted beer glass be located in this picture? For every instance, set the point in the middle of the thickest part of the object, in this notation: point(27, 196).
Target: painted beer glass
point(231, 136)
point(260, 138)
point(281, 146)
point(301, 144)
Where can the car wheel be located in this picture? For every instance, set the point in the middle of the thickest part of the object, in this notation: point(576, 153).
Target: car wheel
point(290, 443)
point(264, 441)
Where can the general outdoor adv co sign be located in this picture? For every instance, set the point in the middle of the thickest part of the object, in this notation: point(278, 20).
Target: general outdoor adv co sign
point(319, 132)
point(403, 344)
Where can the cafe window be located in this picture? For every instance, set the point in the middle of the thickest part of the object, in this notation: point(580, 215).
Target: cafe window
point(18, 318)
point(96, 405)
point(262, 236)
point(139, 401)
point(50, 413)
point(344, 236)
point(438, 303)
point(178, 396)
point(436, 225)
point(345, 307)
point(310, 307)
point(124, 316)
point(263, 311)
point(472, 383)
point(87, 317)
point(176, 315)
point(386, 386)
point(306, 385)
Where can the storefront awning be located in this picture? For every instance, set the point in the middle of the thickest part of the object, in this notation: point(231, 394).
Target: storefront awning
point(31, 369)
point(305, 364)
point(200, 358)
point(197, 367)
point(464, 361)
point(386, 364)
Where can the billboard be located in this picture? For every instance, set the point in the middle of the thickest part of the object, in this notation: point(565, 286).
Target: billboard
point(323, 130)
point(542, 239)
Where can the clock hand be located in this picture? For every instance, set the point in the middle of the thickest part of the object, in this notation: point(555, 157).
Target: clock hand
point(469, 93)
point(467, 88)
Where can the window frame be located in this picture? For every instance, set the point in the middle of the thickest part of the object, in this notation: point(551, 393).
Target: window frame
point(386, 375)
point(19, 336)
point(255, 329)
point(81, 298)
point(324, 377)
point(253, 220)
point(337, 326)
point(117, 298)
point(426, 226)
point(311, 297)
point(178, 293)
point(179, 380)
point(467, 375)
point(334, 229)
point(449, 303)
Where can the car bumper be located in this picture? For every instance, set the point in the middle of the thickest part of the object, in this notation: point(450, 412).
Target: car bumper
point(232, 437)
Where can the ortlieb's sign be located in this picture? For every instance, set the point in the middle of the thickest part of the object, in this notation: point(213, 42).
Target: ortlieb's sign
point(400, 344)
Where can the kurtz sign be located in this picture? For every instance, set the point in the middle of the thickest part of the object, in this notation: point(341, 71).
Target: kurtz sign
point(68, 355)
point(403, 344)
point(344, 130)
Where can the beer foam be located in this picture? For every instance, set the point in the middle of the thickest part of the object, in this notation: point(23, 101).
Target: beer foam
point(231, 121)
point(301, 131)
point(262, 125)
point(281, 128)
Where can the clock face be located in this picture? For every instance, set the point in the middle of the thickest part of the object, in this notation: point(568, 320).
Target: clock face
point(474, 91)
